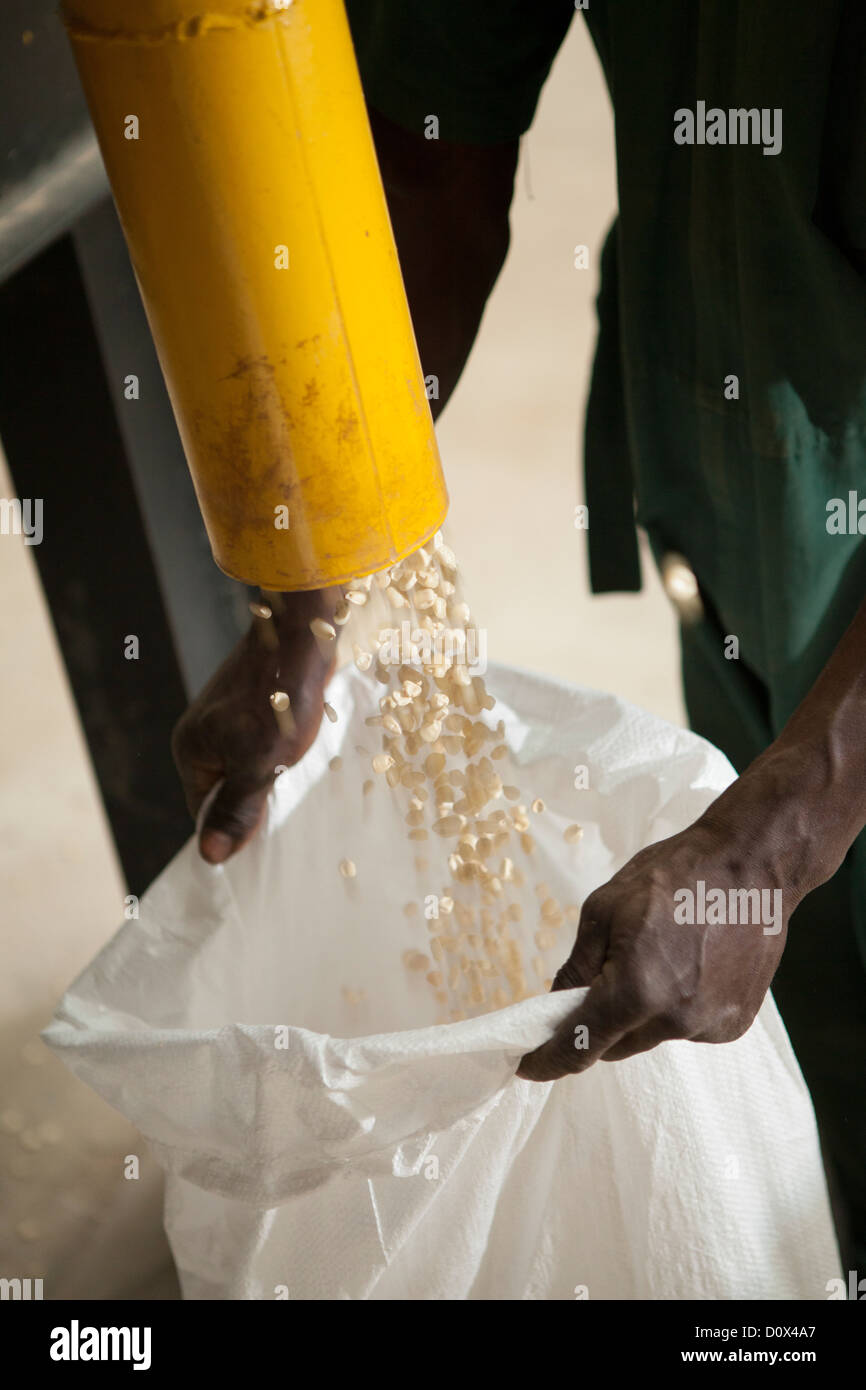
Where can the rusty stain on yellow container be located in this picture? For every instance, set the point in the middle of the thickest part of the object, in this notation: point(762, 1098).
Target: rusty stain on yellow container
point(295, 387)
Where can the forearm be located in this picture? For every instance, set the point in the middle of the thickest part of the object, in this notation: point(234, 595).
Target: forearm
point(803, 801)
point(449, 210)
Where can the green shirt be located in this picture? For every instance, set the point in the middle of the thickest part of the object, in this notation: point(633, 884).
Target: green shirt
point(724, 262)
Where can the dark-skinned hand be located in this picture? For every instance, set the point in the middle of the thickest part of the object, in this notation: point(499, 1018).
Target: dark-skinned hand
point(652, 978)
point(230, 731)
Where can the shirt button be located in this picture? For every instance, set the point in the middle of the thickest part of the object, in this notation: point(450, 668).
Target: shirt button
point(681, 586)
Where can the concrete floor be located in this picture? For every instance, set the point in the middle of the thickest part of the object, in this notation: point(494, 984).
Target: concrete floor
point(511, 447)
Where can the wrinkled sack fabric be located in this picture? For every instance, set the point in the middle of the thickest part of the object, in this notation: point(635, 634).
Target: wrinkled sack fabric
point(317, 1148)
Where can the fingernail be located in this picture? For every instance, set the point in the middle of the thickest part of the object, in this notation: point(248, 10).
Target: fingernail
point(215, 846)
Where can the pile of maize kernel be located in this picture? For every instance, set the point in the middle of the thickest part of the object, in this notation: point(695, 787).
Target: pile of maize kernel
point(445, 762)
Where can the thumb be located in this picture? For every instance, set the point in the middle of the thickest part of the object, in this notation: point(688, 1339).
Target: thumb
point(590, 948)
point(583, 1037)
point(232, 818)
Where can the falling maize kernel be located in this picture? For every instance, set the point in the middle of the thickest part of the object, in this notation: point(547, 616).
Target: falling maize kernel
point(416, 960)
point(433, 708)
point(449, 825)
point(330, 712)
point(348, 868)
point(572, 834)
point(447, 558)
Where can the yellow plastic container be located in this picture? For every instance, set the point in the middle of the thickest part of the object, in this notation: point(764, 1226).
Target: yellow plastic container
point(243, 168)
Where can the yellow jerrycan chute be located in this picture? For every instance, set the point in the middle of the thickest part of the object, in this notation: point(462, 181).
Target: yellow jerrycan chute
point(242, 165)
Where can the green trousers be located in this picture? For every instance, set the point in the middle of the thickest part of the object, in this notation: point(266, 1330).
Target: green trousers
point(820, 985)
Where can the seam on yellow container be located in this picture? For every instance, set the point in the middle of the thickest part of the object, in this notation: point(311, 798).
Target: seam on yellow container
point(326, 247)
point(197, 26)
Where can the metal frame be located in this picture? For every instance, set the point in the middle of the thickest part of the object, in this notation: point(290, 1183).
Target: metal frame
point(124, 549)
